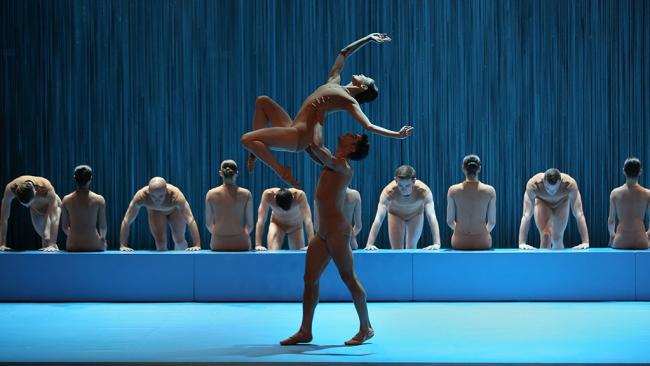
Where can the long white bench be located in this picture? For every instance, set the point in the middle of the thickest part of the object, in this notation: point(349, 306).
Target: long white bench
point(410, 275)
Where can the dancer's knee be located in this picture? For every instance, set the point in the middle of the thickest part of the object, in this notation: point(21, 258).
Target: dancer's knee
point(261, 101)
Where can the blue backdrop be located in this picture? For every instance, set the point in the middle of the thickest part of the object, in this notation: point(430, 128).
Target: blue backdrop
point(144, 88)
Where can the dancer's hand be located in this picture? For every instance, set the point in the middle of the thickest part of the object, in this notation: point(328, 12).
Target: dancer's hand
point(371, 247)
point(194, 248)
point(4, 248)
point(432, 247)
point(260, 248)
point(50, 248)
point(379, 37)
point(524, 246)
point(124, 248)
point(581, 246)
point(405, 132)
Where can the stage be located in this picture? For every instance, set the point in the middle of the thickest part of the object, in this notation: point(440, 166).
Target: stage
point(248, 333)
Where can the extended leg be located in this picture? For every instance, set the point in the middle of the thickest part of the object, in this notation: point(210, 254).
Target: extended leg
point(339, 246)
point(317, 258)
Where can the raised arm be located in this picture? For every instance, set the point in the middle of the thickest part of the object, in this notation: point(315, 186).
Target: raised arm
point(430, 212)
point(611, 218)
point(492, 212)
point(382, 208)
point(329, 161)
point(5, 211)
point(262, 213)
point(355, 110)
point(335, 72)
point(578, 213)
point(129, 217)
point(529, 207)
point(185, 209)
point(306, 213)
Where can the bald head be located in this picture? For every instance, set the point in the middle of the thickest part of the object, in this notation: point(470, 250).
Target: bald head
point(158, 190)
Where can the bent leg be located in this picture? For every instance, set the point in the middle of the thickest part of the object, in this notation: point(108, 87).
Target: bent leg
point(559, 221)
point(339, 247)
point(414, 231)
point(396, 231)
point(158, 225)
point(542, 216)
point(260, 143)
point(296, 239)
point(267, 110)
point(39, 221)
point(316, 261)
point(275, 237)
point(178, 225)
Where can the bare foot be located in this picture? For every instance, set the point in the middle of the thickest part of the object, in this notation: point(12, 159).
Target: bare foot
point(360, 337)
point(250, 163)
point(299, 337)
point(285, 175)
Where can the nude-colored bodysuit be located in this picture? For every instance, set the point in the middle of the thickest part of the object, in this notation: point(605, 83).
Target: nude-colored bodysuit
point(330, 211)
point(229, 212)
point(560, 198)
point(631, 203)
point(471, 200)
point(83, 215)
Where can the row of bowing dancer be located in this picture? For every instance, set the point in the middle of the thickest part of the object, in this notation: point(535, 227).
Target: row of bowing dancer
point(405, 201)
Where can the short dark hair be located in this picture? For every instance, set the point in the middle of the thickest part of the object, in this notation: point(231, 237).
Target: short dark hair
point(471, 163)
point(552, 175)
point(284, 198)
point(632, 167)
point(82, 174)
point(405, 172)
point(361, 150)
point(229, 168)
point(25, 192)
point(367, 95)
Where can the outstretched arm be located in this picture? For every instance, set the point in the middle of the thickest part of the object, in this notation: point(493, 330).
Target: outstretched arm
point(382, 208)
point(191, 223)
point(529, 206)
point(129, 217)
point(611, 218)
point(578, 213)
point(262, 212)
point(430, 212)
point(4, 217)
point(357, 113)
point(335, 73)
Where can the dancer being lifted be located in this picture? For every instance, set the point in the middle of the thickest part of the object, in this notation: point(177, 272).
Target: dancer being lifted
point(306, 128)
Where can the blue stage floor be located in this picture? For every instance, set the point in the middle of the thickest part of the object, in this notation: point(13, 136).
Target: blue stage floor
point(230, 333)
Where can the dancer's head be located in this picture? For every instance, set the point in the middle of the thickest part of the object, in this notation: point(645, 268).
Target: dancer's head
point(354, 146)
point(284, 198)
point(365, 88)
point(471, 165)
point(82, 175)
point(405, 179)
point(158, 190)
point(229, 170)
point(632, 167)
point(552, 179)
point(25, 193)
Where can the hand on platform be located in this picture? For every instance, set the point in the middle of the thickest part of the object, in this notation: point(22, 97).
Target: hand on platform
point(304, 248)
point(581, 246)
point(260, 248)
point(371, 247)
point(432, 247)
point(524, 246)
point(124, 248)
point(4, 248)
point(50, 248)
point(194, 248)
